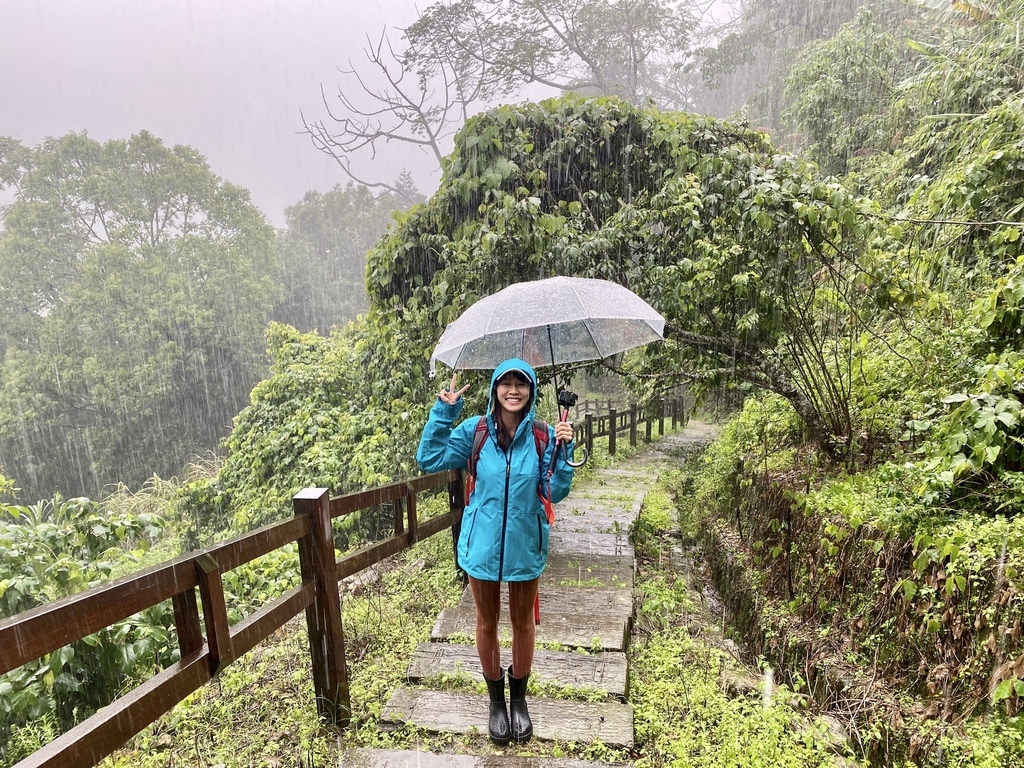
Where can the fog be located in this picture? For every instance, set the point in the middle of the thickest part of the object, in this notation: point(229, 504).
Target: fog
point(228, 77)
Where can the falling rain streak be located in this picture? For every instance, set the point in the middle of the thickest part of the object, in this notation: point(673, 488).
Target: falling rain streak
point(223, 265)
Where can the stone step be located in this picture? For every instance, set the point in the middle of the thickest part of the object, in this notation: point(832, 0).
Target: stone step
point(610, 723)
point(388, 758)
point(596, 515)
point(595, 633)
point(605, 601)
point(577, 542)
point(621, 500)
point(588, 569)
point(608, 475)
point(596, 618)
point(607, 672)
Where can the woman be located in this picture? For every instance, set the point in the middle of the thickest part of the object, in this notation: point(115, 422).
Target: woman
point(505, 530)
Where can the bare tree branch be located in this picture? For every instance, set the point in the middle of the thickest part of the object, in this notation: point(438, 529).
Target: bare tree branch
point(461, 55)
point(417, 108)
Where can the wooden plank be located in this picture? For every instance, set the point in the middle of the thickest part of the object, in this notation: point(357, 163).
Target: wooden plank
point(373, 497)
point(95, 738)
point(259, 625)
point(48, 627)
point(323, 617)
point(186, 621)
point(391, 758)
point(361, 559)
point(610, 723)
point(606, 672)
point(215, 612)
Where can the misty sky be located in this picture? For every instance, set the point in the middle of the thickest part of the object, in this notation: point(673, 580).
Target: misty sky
point(228, 77)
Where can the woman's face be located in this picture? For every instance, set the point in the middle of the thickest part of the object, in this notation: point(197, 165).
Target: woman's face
point(512, 392)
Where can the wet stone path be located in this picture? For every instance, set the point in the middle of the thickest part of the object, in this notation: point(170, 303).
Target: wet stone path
point(586, 605)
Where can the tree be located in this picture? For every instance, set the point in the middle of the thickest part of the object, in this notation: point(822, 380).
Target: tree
point(136, 287)
point(323, 253)
point(745, 69)
point(464, 54)
point(394, 102)
point(14, 156)
point(625, 48)
point(842, 90)
point(751, 259)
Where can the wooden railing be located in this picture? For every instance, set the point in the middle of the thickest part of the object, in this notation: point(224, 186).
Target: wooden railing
point(620, 419)
point(34, 633)
point(208, 643)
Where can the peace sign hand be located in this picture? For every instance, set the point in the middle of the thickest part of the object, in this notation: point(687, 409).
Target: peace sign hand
point(449, 394)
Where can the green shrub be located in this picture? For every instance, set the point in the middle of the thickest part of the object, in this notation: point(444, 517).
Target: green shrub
point(54, 549)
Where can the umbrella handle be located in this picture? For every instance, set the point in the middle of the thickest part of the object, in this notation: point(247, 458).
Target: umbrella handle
point(564, 416)
point(581, 462)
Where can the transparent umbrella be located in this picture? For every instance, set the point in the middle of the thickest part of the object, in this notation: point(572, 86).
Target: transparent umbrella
point(550, 322)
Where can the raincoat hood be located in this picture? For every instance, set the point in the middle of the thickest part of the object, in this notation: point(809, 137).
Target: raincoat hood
point(514, 364)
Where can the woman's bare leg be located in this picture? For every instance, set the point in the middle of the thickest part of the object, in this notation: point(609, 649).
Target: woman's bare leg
point(521, 598)
point(487, 598)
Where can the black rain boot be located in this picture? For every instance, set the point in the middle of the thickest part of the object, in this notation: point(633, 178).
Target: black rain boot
point(519, 714)
point(497, 715)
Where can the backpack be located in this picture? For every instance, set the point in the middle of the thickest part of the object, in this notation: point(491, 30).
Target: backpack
point(540, 442)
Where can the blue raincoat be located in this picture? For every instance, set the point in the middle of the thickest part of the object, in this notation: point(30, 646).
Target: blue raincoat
point(505, 531)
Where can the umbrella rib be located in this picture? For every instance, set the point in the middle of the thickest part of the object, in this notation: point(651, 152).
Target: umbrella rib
point(597, 343)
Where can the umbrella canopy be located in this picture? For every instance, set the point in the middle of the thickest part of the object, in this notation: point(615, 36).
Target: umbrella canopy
point(549, 322)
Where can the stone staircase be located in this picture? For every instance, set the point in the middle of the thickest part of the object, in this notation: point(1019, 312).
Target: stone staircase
point(586, 605)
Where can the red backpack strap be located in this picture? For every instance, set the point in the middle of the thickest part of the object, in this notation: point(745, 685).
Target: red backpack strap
point(479, 437)
point(541, 437)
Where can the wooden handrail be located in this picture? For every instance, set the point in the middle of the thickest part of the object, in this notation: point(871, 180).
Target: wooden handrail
point(44, 629)
point(613, 421)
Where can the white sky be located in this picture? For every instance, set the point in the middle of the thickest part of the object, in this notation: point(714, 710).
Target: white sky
point(228, 77)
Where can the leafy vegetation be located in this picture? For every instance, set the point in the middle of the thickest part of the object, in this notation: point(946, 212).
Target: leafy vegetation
point(137, 287)
point(868, 497)
point(135, 284)
point(323, 253)
point(57, 548)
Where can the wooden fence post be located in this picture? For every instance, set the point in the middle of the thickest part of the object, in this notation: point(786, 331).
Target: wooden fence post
point(613, 424)
point(186, 621)
point(410, 510)
point(215, 612)
point(588, 422)
point(661, 416)
point(323, 617)
point(647, 423)
point(632, 425)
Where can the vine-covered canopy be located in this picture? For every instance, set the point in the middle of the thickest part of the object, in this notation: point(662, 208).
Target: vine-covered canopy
point(732, 241)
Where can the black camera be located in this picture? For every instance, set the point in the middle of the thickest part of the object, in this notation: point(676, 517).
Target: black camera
point(567, 399)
